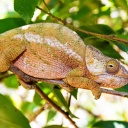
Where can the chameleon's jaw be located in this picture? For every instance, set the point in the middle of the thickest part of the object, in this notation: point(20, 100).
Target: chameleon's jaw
point(111, 81)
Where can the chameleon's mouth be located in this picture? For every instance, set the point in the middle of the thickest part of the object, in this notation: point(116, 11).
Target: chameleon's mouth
point(111, 81)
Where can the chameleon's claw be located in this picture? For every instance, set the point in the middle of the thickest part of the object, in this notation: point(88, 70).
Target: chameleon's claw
point(96, 92)
point(97, 96)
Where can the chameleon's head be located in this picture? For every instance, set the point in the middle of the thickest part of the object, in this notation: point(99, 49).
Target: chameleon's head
point(105, 70)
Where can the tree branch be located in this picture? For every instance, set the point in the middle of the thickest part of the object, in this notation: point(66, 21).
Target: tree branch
point(24, 76)
point(54, 17)
point(109, 37)
point(44, 96)
point(113, 92)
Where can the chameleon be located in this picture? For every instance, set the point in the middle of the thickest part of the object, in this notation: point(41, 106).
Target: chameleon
point(54, 52)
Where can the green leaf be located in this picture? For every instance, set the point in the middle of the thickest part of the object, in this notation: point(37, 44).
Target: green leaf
point(110, 124)
point(11, 82)
point(123, 89)
point(25, 8)
point(81, 13)
point(10, 117)
point(96, 28)
point(99, 28)
point(27, 107)
point(46, 87)
point(51, 114)
point(61, 99)
point(55, 126)
point(10, 23)
point(37, 99)
point(49, 88)
point(122, 46)
point(121, 3)
point(74, 93)
point(104, 46)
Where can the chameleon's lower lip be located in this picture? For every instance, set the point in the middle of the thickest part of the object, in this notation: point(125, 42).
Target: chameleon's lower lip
point(111, 81)
point(121, 76)
point(124, 76)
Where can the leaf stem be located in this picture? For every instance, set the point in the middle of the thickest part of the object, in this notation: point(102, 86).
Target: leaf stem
point(113, 92)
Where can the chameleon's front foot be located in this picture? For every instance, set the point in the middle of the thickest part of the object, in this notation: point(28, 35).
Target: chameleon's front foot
point(85, 83)
point(76, 79)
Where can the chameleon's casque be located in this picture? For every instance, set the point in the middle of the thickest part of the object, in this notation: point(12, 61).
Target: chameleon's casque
point(55, 52)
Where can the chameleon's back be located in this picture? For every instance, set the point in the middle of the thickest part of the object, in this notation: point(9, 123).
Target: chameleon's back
point(52, 50)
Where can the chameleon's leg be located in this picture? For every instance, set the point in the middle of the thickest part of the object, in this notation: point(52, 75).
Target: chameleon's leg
point(75, 78)
point(10, 54)
point(26, 85)
point(67, 87)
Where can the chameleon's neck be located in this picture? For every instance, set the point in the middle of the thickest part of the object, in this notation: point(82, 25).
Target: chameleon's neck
point(87, 73)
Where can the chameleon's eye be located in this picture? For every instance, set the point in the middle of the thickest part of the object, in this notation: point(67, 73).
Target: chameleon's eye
point(112, 66)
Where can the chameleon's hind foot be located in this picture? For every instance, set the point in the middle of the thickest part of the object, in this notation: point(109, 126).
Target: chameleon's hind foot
point(29, 85)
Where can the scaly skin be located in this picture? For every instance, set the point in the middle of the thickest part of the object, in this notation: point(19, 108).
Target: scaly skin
point(54, 52)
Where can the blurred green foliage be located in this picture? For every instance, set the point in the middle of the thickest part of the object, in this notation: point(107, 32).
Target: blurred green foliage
point(108, 17)
point(110, 124)
point(10, 117)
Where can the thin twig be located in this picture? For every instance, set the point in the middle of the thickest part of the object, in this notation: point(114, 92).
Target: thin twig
point(46, 5)
point(113, 92)
point(44, 96)
point(34, 115)
point(54, 17)
point(109, 37)
point(88, 111)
